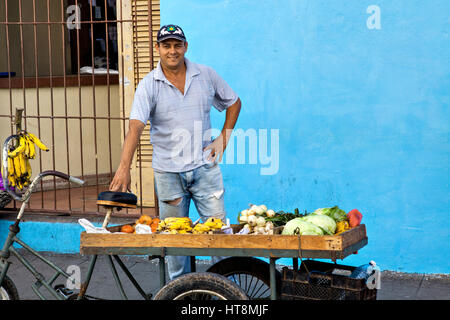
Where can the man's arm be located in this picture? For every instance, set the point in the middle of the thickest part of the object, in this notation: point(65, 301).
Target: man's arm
point(219, 144)
point(122, 178)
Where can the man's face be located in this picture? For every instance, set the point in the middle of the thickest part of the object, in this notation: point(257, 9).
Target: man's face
point(172, 52)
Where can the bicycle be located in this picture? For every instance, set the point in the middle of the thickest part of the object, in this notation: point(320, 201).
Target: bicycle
point(207, 285)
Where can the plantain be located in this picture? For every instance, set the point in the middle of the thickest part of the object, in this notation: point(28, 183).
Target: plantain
point(10, 167)
point(23, 166)
point(38, 142)
point(20, 148)
point(30, 150)
point(16, 163)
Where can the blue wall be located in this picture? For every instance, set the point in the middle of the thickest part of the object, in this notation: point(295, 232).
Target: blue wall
point(362, 116)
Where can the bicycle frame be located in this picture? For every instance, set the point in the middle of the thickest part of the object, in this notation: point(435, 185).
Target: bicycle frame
point(14, 229)
point(12, 238)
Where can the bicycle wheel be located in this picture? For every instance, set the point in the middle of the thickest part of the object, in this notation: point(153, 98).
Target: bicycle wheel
point(5, 198)
point(201, 286)
point(251, 274)
point(8, 290)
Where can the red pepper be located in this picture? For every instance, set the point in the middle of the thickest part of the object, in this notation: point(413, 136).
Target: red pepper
point(354, 218)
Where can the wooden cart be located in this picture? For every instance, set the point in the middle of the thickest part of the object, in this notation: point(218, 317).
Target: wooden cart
point(272, 247)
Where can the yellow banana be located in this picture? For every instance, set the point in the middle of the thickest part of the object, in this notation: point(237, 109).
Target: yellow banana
point(32, 154)
point(29, 171)
point(12, 181)
point(10, 166)
point(37, 142)
point(17, 170)
point(19, 149)
point(27, 148)
point(23, 166)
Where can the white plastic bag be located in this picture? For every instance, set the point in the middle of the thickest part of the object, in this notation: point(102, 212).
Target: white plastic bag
point(143, 229)
point(90, 228)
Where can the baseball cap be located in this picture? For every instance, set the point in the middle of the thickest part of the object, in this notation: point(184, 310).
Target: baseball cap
point(170, 31)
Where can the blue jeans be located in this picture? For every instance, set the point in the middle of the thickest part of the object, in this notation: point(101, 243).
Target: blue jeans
point(204, 185)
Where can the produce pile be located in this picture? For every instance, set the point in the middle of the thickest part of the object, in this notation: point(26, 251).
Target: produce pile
point(174, 225)
point(19, 169)
point(256, 219)
point(323, 221)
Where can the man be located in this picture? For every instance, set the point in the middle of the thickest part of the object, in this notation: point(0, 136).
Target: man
point(176, 98)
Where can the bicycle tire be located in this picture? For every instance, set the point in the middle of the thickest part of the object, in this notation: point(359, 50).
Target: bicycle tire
point(5, 198)
point(8, 290)
point(234, 267)
point(200, 285)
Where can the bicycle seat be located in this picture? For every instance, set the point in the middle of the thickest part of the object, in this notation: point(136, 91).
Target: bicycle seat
point(117, 199)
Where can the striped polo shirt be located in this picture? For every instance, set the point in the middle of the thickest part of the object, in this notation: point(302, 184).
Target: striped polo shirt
point(180, 125)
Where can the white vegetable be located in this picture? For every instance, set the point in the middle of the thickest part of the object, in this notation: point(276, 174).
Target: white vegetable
point(252, 220)
point(260, 230)
point(257, 209)
point(269, 225)
point(244, 212)
point(251, 212)
point(270, 213)
point(261, 222)
point(263, 208)
point(243, 218)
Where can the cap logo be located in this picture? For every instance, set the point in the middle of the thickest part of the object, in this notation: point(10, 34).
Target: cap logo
point(171, 30)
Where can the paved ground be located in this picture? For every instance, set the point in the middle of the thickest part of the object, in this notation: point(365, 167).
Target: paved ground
point(394, 286)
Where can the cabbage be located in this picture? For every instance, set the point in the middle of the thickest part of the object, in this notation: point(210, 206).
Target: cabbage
point(322, 221)
point(301, 227)
point(334, 212)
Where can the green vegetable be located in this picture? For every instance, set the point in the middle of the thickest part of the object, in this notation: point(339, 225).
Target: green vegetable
point(334, 212)
point(327, 224)
point(301, 227)
point(281, 217)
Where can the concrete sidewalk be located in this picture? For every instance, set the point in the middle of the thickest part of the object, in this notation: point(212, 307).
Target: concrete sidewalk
point(394, 286)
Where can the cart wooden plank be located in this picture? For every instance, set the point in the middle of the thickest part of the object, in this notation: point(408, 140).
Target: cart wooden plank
point(336, 246)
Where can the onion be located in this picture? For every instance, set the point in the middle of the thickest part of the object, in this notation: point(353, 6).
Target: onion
point(270, 213)
point(252, 220)
point(269, 225)
point(260, 222)
point(243, 218)
point(263, 208)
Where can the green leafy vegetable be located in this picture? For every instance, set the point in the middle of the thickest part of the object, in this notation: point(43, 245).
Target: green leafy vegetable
point(322, 221)
point(281, 217)
point(301, 227)
point(333, 212)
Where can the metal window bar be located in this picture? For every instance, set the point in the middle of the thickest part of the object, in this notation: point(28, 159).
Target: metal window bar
point(29, 28)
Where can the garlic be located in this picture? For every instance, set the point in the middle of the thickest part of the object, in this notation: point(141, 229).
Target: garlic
point(252, 220)
point(260, 221)
point(270, 213)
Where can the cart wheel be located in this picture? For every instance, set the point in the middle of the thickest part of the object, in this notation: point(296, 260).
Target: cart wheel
point(201, 286)
point(251, 274)
point(5, 199)
point(8, 290)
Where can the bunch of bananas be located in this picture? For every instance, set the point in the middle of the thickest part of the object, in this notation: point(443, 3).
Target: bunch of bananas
point(19, 169)
point(209, 226)
point(175, 225)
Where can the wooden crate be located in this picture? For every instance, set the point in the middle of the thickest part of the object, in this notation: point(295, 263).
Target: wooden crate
point(277, 245)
